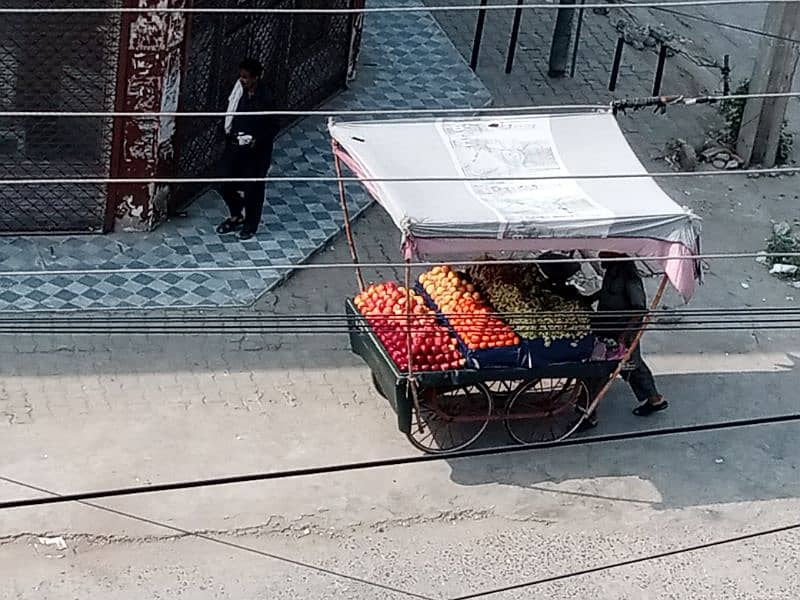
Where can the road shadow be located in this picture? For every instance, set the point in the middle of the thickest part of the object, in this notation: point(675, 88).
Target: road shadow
point(735, 465)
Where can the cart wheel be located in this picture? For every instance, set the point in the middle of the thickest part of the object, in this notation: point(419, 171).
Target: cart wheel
point(547, 410)
point(377, 386)
point(450, 420)
point(503, 389)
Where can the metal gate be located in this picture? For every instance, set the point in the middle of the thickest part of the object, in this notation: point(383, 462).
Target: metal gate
point(56, 62)
point(304, 55)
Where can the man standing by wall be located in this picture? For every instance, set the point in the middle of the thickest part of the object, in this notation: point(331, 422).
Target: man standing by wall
point(248, 150)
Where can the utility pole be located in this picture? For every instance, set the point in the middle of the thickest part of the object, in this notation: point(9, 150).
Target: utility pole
point(774, 70)
point(562, 35)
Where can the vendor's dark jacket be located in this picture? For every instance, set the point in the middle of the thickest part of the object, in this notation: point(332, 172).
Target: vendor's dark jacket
point(622, 290)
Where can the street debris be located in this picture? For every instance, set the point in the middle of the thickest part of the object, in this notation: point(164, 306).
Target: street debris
point(783, 269)
point(649, 36)
point(782, 229)
point(49, 543)
point(58, 542)
point(721, 158)
point(784, 240)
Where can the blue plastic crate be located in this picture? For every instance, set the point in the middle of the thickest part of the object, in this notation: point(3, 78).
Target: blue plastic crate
point(559, 351)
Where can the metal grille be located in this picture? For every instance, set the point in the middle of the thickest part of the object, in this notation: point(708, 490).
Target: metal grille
point(304, 57)
point(64, 62)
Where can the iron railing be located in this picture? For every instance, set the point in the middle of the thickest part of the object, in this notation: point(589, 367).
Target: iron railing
point(65, 62)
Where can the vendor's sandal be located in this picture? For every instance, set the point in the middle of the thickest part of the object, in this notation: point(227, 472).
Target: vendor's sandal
point(648, 408)
point(230, 224)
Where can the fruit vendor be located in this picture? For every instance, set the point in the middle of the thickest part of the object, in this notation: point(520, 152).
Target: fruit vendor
point(559, 273)
point(248, 150)
point(623, 292)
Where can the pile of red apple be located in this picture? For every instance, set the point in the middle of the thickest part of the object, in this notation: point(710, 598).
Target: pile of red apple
point(393, 311)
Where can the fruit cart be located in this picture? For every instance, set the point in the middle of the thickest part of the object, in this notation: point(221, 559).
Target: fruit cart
point(462, 190)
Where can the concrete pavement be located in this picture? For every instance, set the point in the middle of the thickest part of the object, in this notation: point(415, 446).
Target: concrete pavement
point(439, 559)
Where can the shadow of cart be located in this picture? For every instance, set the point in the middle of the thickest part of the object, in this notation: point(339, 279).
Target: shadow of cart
point(695, 469)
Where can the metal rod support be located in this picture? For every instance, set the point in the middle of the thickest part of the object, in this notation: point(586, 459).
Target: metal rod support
point(612, 82)
point(476, 42)
point(562, 35)
point(346, 213)
point(662, 59)
point(726, 74)
point(578, 29)
point(512, 42)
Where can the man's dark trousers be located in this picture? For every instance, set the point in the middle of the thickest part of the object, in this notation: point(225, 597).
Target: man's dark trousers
point(240, 163)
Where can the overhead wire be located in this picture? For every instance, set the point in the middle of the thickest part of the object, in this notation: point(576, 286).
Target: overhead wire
point(395, 462)
point(375, 9)
point(481, 324)
point(310, 113)
point(280, 318)
point(394, 265)
point(426, 179)
point(725, 25)
point(228, 543)
point(469, 111)
point(206, 331)
point(611, 322)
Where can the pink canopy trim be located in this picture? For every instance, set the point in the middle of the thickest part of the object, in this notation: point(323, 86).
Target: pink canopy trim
point(681, 271)
point(351, 163)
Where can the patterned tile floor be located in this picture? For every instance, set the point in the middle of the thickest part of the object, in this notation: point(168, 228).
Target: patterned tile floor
point(406, 62)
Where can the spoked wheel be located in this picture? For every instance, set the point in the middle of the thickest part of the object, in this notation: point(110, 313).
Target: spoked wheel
point(503, 389)
point(451, 419)
point(547, 410)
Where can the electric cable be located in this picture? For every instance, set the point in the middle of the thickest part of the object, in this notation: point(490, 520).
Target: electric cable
point(728, 25)
point(395, 462)
point(393, 265)
point(483, 324)
point(375, 9)
point(485, 110)
point(248, 317)
point(355, 179)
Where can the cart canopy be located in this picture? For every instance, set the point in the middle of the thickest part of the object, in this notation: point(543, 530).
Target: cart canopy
point(497, 210)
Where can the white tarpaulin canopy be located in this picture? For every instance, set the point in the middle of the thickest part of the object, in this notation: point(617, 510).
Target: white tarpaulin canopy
point(495, 210)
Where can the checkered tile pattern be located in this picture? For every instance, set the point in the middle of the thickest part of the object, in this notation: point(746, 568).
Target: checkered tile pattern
point(406, 62)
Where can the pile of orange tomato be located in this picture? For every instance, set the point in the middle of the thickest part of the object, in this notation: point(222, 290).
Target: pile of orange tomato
point(468, 314)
